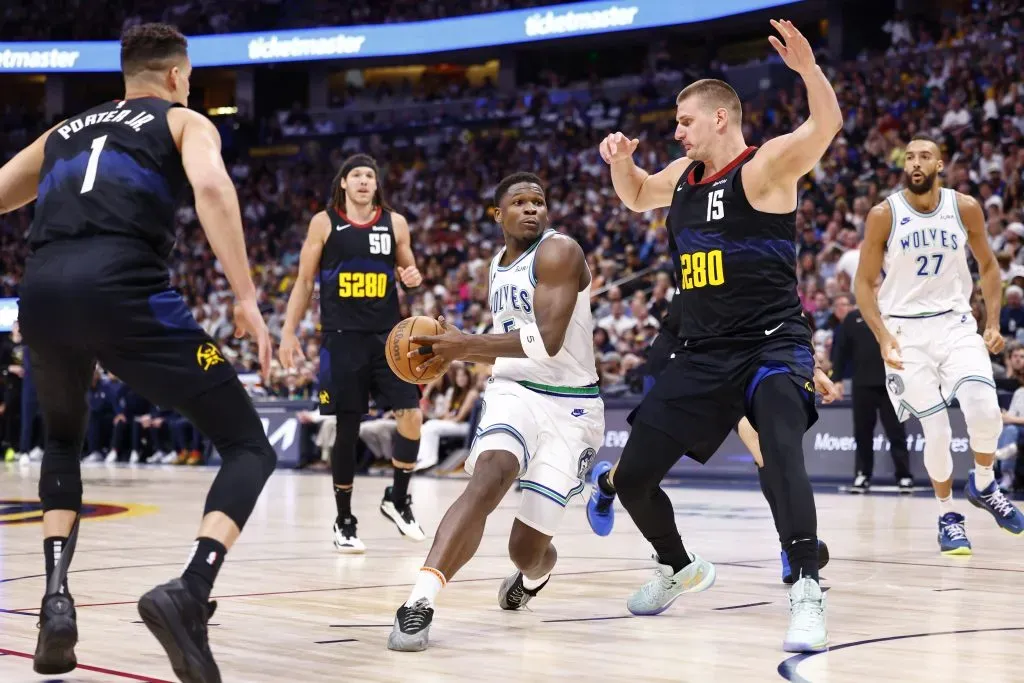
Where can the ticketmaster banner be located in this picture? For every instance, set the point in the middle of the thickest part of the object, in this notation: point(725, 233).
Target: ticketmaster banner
point(828, 446)
point(390, 40)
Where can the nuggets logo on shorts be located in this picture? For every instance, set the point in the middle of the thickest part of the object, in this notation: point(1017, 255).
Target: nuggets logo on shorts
point(325, 397)
point(894, 383)
point(208, 355)
point(808, 387)
point(585, 459)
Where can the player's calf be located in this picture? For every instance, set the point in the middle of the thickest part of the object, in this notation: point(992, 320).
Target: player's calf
point(533, 554)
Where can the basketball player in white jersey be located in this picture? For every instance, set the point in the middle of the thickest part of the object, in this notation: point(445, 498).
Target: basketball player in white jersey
point(543, 418)
point(922, 319)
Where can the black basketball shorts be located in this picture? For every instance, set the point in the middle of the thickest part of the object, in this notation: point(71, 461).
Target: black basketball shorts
point(704, 389)
point(133, 324)
point(352, 368)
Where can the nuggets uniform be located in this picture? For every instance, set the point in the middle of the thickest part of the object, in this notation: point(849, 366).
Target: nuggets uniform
point(358, 308)
point(97, 284)
point(925, 302)
point(549, 412)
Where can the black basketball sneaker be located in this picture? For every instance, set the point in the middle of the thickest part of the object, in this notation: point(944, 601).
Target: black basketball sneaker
point(58, 634)
point(178, 620)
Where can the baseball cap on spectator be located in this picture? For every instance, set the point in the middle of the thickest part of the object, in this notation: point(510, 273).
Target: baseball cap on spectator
point(994, 200)
point(1017, 228)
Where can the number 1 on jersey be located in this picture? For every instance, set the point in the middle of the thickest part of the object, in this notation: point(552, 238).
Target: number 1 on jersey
point(94, 162)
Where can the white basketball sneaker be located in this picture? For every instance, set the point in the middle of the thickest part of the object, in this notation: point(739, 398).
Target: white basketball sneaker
point(807, 631)
point(345, 538)
point(658, 594)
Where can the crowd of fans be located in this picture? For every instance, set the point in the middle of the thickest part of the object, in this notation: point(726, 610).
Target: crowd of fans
point(90, 20)
point(959, 83)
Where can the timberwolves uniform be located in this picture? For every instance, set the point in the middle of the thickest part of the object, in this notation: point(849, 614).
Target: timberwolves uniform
point(548, 413)
point(96, 284)
point(925, 303)
point(740, 319)
point(358, 308)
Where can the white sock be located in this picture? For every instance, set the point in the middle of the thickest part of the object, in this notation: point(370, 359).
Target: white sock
point(945, 504)
point(429, 583)
point(983, 476)
point(530, 584)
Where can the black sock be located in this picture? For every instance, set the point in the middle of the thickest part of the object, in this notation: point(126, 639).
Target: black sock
point(803, 558)
point(343, 501)
point(406, 450)
point(52, 548)
point(400, 488)
point(207, 557)
point(605, 485)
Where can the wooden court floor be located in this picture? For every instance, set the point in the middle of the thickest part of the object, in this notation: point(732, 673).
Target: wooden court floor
point(291, 609)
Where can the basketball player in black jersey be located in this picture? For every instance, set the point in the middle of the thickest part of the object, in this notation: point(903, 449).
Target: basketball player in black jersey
point(355, 249)
point(96, 288)
point(746, 345)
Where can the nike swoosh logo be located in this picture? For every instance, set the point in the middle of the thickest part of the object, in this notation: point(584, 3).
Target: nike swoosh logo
point(342, 227)
point(774, 329)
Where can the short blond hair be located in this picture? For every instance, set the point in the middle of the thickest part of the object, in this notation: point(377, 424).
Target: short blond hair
point(715, 94)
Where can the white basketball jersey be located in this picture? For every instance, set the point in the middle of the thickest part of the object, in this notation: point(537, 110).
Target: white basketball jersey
point(925, 267)
point(512, 308)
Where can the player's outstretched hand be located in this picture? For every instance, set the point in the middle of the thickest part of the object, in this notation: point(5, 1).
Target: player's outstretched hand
point(617, 147)
point(442, 348)
point(829, 390)
point(290, 351)
point(249, 321)
point(410, 276)
point(796, 52)
point(891, 352)
point(993, 340)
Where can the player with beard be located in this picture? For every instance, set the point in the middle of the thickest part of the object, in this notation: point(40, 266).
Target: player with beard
point(929, 339)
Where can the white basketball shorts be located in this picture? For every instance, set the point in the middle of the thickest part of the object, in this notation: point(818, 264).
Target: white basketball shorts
point(940, 354)
point(555, 439)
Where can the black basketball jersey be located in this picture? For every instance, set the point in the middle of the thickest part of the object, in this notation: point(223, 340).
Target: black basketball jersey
point(112, 170)
point(736, 265)
point(357, 275)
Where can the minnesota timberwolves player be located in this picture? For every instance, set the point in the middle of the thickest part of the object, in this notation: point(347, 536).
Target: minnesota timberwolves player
point(746, 344)
point(355, 249)
point(96, 288)
point(543, 418)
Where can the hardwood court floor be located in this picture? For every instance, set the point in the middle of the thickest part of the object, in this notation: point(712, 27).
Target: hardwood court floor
point(290, 609)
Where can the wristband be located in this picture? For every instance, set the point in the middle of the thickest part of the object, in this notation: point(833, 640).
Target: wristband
point(533, 344)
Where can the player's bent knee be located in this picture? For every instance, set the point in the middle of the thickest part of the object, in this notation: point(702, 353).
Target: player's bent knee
point(938, 435)
point(492, 477)
point(527, 547)
point(409, 422)
point(980, 406)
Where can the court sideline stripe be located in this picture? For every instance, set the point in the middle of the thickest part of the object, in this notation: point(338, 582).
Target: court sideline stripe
point(787, 668)
point(96, 669)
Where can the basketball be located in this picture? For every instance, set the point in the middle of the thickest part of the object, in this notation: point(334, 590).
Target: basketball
point(398, 346)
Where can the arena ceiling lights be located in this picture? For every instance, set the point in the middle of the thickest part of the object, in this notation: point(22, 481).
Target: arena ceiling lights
point(389, 40)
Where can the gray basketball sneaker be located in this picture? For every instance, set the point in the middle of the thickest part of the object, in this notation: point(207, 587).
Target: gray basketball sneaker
point(807, 631)
point(411, 631)
point(658, 594)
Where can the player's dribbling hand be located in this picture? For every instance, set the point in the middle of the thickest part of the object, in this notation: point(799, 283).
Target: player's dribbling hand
point(891, 352)
point(796, 52)
point(410, 276)
point(993, 340)
point(249, 321)
point(440, 349)
point(829, 390)
point(617, 147)
point(290, 351)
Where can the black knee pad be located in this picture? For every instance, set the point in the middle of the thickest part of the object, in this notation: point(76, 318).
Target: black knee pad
point(347, 429)
point(405, 450)
point(60, 482)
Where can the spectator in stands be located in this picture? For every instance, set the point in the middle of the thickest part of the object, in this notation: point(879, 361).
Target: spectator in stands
point(452, 417)
point(1011, 317)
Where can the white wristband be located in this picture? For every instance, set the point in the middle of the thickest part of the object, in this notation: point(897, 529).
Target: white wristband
point(533, 345)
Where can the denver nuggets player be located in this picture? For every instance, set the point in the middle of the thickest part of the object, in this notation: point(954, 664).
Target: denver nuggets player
point(543, 418)
point(922, 319)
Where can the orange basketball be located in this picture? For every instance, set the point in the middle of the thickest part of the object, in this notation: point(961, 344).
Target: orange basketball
point(397, 348)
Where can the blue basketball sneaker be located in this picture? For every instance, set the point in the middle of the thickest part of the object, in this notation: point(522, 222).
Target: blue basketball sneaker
point(953, 535)
point(787, 573)
point(995, 501)
point(600, 510)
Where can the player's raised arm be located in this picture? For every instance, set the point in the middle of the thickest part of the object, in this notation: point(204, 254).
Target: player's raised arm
point(782, 160)
point(639, 190)
point(19, 177)
point(988, 268)
point(558, 267)
point(302, 291)
point(408, 273)
point(877, 227)
point(221, 218)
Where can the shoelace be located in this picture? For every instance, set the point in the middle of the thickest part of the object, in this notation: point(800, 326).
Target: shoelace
point(415, 617)
point(515, 596)
point(807, 613)
point(662, 581)
point(999, 502)
point(956, 532)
